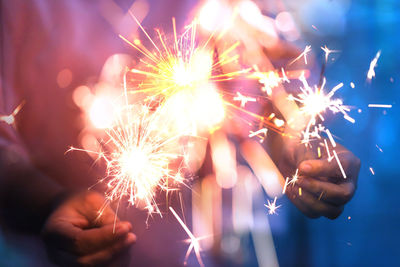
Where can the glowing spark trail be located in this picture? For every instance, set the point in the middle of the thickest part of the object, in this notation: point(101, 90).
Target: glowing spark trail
point(10, 119)
point(243, 99)
point(372, 170)
point(328, 52)
point(272, 207)
point(379, 106)
point(372, 65)
point(304, 54)
point(380, 149)
point(194, 244)
point(340, 164)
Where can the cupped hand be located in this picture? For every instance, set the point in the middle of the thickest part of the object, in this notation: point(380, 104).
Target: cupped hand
point(75, 234)
point(321, 189)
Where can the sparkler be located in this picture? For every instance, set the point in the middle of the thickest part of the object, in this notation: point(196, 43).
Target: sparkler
point(184, 72)
point(315, 102)
point(139, 153)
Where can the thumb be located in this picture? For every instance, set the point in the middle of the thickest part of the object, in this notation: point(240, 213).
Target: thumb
point(319, 168)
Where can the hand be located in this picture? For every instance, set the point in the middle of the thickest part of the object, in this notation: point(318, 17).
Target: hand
point(76, 236)
point(324, 190)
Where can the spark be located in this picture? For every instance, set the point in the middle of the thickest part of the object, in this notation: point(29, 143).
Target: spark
point(10, 119)
point(372, 170)
point(271, 206)
point(331, 138)
point(279, 122)
point(294, 179)
point(285, 185)
point(352, 85)
point(380, 149)
point(304, 54)
point(379, 106)
point(262, 134)
point(194, 242)
point(340, 164)
point(330, 158)
point(269, 80)
point(328, 52)
point(372, 66)
point(243, 99)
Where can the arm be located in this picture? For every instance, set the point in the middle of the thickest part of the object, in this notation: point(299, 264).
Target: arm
point(29, 199)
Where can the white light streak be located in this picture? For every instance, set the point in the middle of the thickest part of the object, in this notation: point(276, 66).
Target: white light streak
point(379, 106)
point(340, 164)
point(372, 66)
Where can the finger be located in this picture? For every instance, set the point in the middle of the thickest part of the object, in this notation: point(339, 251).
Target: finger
point(95, 239)
point(107, 216)
point(335, 194)
point(330, 169)
point(293, 194)
point(106, 255)
point(315, 208)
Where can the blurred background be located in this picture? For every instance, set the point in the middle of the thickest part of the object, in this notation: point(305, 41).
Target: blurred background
point(367, 232)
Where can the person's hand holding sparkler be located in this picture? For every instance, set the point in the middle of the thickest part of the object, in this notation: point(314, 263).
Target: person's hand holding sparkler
point(76, 235)
point(318, 188)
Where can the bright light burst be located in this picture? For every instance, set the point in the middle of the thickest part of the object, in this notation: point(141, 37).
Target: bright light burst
point(139, 152)
point(183, 69)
